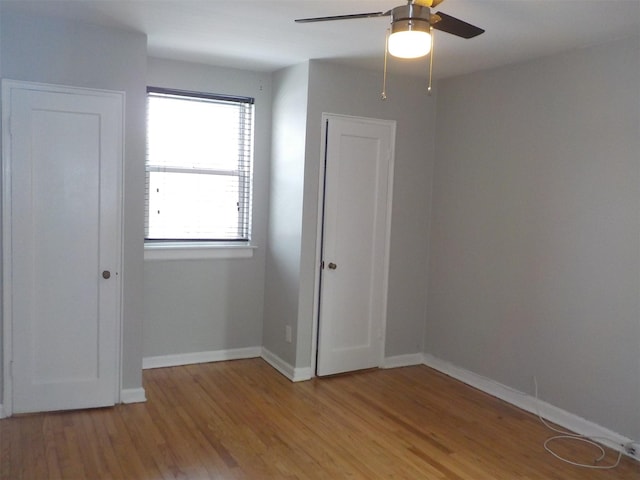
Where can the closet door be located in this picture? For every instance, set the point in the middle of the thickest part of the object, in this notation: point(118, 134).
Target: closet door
point(62, 245)
point(355, 237)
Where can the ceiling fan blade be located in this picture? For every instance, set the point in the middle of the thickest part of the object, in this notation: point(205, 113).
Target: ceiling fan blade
point(447, 23)
point(343, 17)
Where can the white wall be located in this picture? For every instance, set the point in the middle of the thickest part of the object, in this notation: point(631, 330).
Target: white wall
point(535, 234)
point(213, 304)
point(61, 52)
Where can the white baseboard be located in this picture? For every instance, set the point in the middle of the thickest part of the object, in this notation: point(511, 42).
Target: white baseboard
point(200, 357)
point(403, 360)
point(289, 371)
point(530, 404)
point(133, 395)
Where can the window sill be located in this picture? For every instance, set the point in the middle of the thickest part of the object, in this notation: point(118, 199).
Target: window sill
point(196, 251)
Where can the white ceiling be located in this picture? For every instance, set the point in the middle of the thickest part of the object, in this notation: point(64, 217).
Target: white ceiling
point(261, 35)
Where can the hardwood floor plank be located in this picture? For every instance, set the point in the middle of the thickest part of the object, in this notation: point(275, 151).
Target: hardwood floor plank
point(129, 459)
point(243, 420)
point(179, 437)
point(77, 464)
point(102, 441)
point(34, 465)
point(50, 449)
point(13, 454)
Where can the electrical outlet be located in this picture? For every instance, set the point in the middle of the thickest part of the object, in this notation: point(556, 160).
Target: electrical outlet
point(287, 333)
point(631, 449)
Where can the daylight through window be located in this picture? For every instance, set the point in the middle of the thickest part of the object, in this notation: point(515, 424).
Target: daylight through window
point(198, 169)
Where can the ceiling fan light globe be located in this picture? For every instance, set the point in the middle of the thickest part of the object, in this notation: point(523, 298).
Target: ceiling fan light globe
point(409, 44)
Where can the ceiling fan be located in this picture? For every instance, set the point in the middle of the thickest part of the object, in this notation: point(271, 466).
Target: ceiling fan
point(410, 33)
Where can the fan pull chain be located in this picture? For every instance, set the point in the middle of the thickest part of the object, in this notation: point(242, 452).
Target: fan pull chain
point(383, 95)
point(430, 61)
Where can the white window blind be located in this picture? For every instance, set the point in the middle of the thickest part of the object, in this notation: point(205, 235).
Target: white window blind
point(198, 168)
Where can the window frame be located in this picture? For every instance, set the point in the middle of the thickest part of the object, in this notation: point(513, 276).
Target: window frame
point(177, 248)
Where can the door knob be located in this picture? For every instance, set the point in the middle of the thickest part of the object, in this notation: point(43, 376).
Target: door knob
point(106, 274)
point(332, 266)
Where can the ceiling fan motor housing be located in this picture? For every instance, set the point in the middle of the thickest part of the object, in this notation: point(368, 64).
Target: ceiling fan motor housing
point(410, 17)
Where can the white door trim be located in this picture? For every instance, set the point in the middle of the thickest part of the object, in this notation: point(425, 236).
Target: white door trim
point(7, 268)
point(319, 230)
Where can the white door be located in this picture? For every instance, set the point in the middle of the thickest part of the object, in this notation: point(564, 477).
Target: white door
point(355, 237)
point(61, 246)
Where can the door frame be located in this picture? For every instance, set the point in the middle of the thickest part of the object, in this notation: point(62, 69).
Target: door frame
point(320, 232)
point(7, 86)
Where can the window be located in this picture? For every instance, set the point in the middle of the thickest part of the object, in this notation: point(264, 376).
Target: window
point(198, 168)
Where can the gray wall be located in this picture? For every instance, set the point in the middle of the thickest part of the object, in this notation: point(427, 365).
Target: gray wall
point(212, 304)
point(61, 52)
point(1, 279)
point(343, 90)
point(282, 287)
point(535, 236)
point(301, 95)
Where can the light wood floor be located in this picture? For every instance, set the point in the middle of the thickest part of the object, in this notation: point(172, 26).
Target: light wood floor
point(242, 419)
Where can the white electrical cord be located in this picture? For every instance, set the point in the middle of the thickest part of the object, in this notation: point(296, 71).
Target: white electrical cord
point(577, 437)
